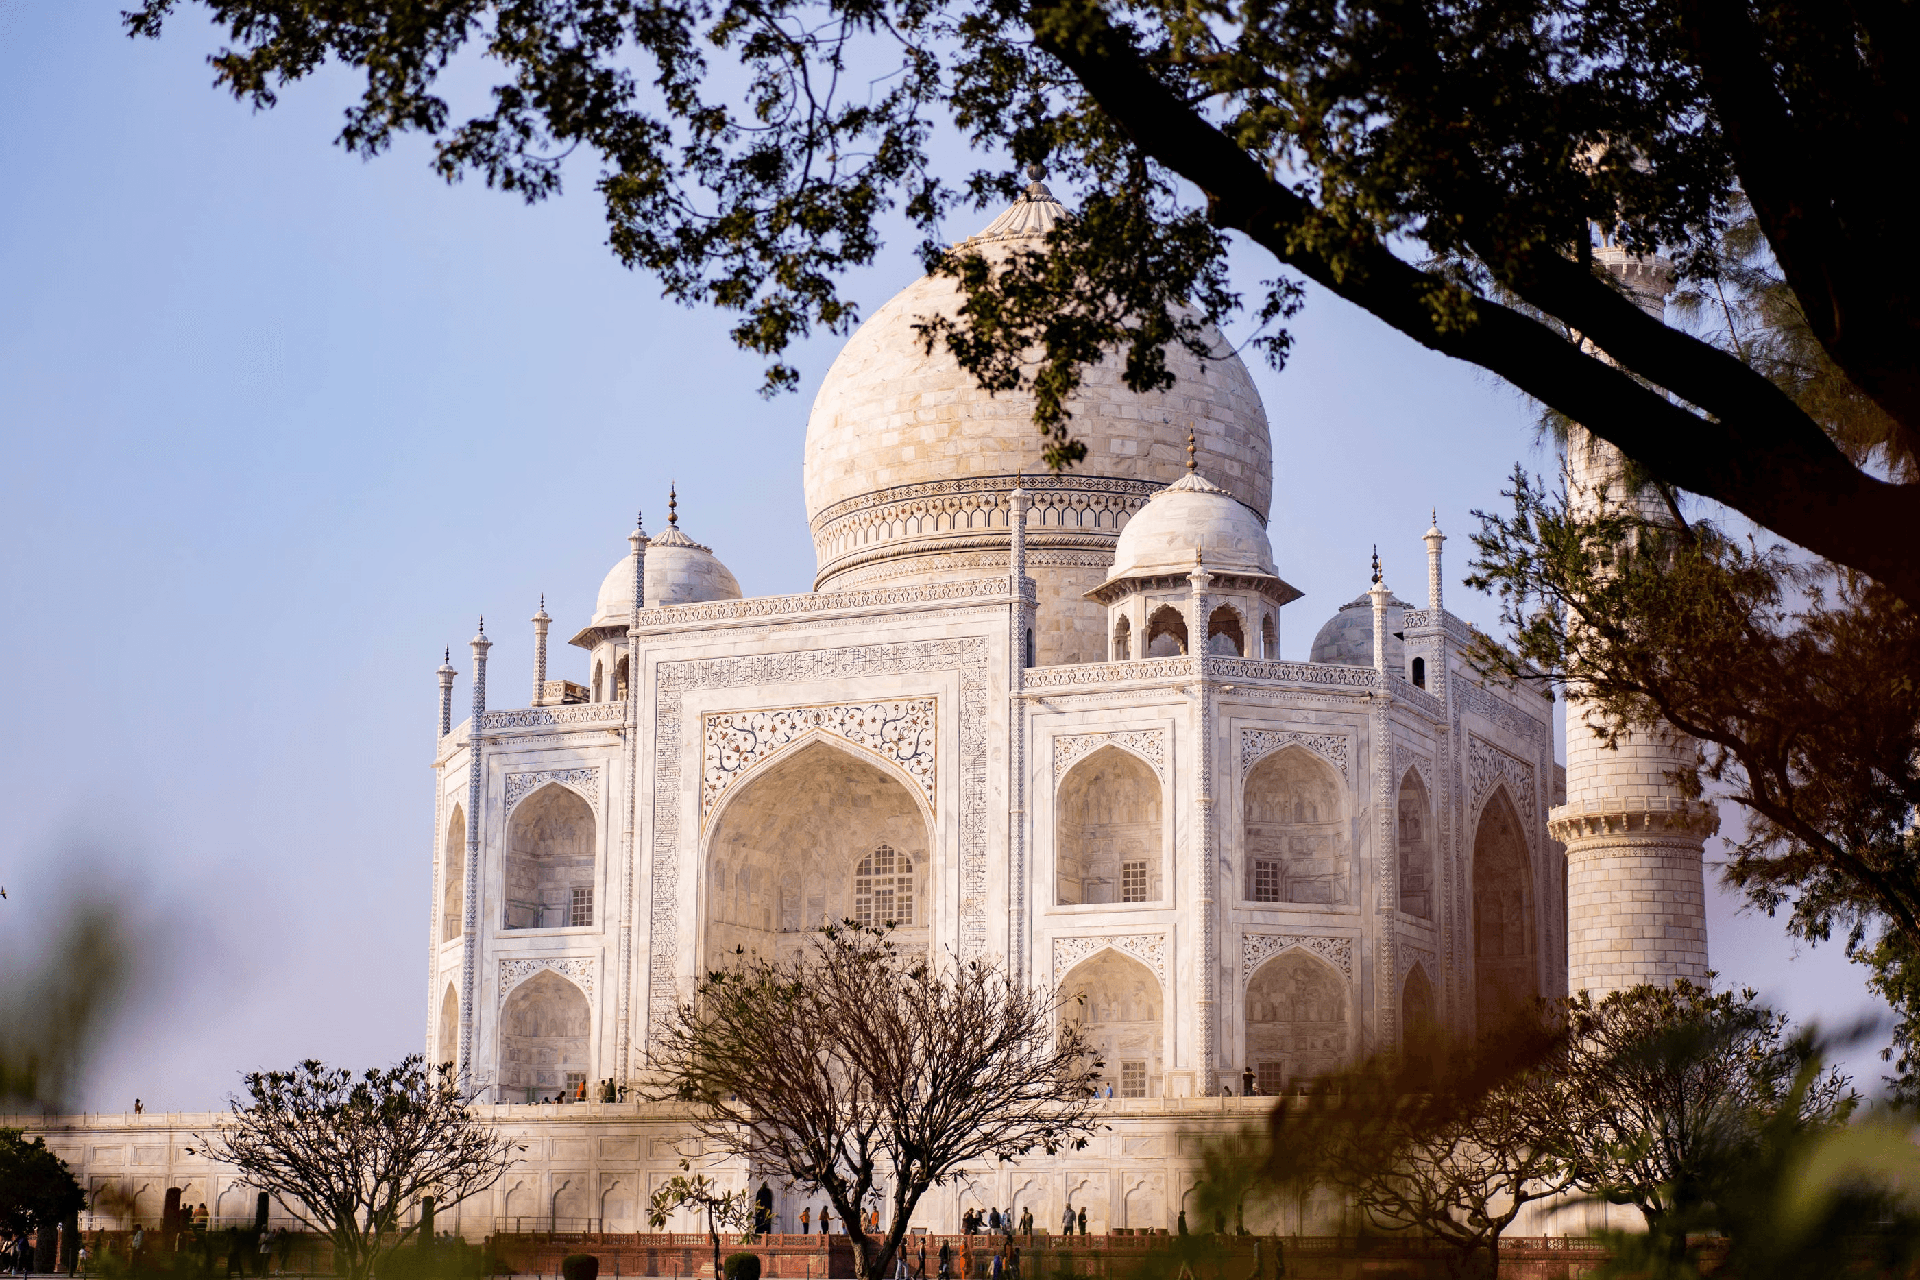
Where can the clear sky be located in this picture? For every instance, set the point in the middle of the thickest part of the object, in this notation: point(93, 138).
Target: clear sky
point(279, 424)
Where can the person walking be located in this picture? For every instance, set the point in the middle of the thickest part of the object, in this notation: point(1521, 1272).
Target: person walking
point(806, 1220)
point(923, 1258)
point(1083, 1220)
point(1066, 1221)
point(826, 1221)
point(139, 1246)
point(946, 1259)
point(1013, 1263)
point(997, 1269)
point(1026, 1221)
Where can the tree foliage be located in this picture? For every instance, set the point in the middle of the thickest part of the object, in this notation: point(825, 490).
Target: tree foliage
point(1670, 1090)
point(1451, 1151)
point(723, 1209)
point(857, 1070)
point(1444, 165)
point(349, 1155)
point(1801, 684)
point(36, 1187)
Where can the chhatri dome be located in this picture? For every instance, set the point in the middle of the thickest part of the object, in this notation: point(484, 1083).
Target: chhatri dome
point(909, 464)
point(679, 571)
point(1192, 521)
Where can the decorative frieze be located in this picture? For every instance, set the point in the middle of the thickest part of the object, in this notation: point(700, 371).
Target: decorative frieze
point(1149, 949)
point(822, 602)
point(575, 969)
point(1257, 948)
point(1477, 700)
point(1335, 748)
point(901, 732)
point(1149, 744)
point(586, 782)
point(583, 713)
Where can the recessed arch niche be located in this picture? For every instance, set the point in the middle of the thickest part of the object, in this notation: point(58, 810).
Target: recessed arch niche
point(1226, 634)
point(1166, 633)
point(1120, 1011)
point(1298, 847)
point(450, 1026)
point(1419, 1023)
point(1415, 830)
point(1297, 1020)
point(453, 873)
point(544, 1038)
point(816, 835)
point(1108, 832)
point(1505, 962)
point(550, 861)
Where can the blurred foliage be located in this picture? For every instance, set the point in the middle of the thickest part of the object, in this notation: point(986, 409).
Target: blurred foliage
point(54, 1015)
point(36, 1187)
point(1799, 683)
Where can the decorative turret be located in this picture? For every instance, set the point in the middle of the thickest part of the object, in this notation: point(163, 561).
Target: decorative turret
point(1636, 890)
point(446, 674)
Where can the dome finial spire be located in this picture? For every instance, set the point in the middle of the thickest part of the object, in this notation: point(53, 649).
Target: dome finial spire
point(673, 505)
point(1376, 564)
point(1192, 466)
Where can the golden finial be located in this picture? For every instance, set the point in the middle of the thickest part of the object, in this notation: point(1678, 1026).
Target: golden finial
point(1376, 564)
point(673, 505)
point(1191, 465)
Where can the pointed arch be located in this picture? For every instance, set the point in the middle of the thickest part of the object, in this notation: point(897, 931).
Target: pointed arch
point(1166, 633)
point(1269, 637)
point(1109, 834)
point(811, 738)
point(546, 1027)
point(1121, 1010)
point(1122, 647)
point(450, 1026)
point(1419, 1018)
point(599, 681)
point(1226, 632)
point(792, 835)
point(1296, 831)
point(1414, 830)
point(1298, 1019)
point(453, 877)
point(1505, 932)
point(552, 861)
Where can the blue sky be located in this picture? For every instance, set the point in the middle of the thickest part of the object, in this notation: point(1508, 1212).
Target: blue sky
point(279, 424)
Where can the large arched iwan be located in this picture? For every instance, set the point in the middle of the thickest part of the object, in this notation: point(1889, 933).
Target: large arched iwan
point(819, 834)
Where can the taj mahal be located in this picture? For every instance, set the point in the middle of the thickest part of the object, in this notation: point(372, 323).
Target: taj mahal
point(1032, 717)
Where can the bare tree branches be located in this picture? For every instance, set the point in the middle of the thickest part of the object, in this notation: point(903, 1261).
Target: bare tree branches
point(348, 1156)
point(861, 1072)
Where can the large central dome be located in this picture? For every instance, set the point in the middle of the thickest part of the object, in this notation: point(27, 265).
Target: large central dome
point(909, 463)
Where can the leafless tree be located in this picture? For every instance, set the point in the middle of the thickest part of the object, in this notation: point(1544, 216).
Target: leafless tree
point(346, 1156)
point(853, 1069)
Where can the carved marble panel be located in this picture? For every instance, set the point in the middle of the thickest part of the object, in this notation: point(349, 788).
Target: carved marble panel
point(1335, 748)
point(576, 969)
point(1148, 948)
point(902, 732)
point(1487, 767)
point(1257, 947)
point(1149, 744)
point(584, 781)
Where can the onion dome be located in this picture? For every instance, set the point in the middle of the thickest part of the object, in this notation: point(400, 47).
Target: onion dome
point(679, 571)
point(1193, 520)
point(1347, 637)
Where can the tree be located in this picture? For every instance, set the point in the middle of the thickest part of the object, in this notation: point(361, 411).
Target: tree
point(1672, 1091)
point(731, 1210)
point(1444, 165)
point(348, 1156)
point(37, 1190)
point(1796, 680)
point(850, 1068)
point(1450, 1149)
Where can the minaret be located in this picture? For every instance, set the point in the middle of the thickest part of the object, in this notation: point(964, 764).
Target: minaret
point(1636, 885)
point(476, 788)
point(1379, 594)
point(1435, 579)
point(446, 674)
point(540, 624)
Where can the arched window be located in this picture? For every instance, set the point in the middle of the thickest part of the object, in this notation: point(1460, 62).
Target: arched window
point(620, 678)
point(1026, 658)
point(1269, 639)
point(453, 892)
point(1419, 673)
point(1225, 638)
point(1122, 639)
point(599, 676)
point(883, 888)
point(1166, 633)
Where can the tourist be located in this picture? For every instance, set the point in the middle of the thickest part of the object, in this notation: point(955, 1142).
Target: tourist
point(262, 1252)
point(946, 1258)
point(138, 1106)
point(900, 1271)
point(1248, 1088)
point(923, 1258)
point(997, 1270)
point(1083, 1220)
point(806, 1220)
point(826, 1221)
point(1013, 1263)
point(993, 1223)
point(1066, 1223)
point(84, 1257)
point(139, 1246)
point(1026, 1222)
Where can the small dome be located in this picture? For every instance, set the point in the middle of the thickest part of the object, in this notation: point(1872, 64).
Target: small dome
point(1347, 639)
point(679, 571)
point(1188, 516)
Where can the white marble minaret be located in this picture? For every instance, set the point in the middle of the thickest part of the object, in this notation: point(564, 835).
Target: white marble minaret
point(1636, 891)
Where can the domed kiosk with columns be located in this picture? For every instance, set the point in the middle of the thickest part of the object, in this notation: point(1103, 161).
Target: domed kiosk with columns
point(1038, 719)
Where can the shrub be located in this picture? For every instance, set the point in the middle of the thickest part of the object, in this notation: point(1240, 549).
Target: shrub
point(580, 1266)
point(743, 1266)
